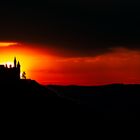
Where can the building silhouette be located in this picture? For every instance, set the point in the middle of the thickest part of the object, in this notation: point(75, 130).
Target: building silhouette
point(11, 73)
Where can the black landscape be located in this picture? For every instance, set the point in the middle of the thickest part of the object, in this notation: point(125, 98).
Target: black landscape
point(108, 102)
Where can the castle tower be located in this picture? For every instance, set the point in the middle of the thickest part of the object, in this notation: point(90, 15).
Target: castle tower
point(11, 73)
point(18, 69)
point(15, 62)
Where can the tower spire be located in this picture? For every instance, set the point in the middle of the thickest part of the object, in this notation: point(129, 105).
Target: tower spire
point(18, 65)
point(15, 62)
point(18, 69)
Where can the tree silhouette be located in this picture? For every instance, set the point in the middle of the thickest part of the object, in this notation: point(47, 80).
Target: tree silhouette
point(24, 75)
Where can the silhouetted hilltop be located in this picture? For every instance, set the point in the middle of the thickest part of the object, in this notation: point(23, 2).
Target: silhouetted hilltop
point(22, 88)
point(27, 97)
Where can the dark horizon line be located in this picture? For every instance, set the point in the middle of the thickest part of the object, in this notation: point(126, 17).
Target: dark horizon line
point(90, 85)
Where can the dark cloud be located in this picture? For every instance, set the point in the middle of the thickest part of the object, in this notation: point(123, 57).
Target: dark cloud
point(75, 27)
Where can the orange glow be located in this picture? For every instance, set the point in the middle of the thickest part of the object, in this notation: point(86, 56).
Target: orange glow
point(30, 58)
point(118, 66)
point(7, 44)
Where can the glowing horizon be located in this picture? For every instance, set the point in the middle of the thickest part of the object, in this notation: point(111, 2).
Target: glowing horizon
point(118, 66)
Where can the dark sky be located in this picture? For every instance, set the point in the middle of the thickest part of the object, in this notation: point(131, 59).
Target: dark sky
point(84, 28)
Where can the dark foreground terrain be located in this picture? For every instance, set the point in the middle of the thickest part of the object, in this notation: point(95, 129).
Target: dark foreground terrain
point(116, 101)
point(28, 99)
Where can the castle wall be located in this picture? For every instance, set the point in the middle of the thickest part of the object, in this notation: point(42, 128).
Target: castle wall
point(11, 74)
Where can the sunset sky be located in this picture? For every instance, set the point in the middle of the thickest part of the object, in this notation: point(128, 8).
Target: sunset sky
point(73, 42)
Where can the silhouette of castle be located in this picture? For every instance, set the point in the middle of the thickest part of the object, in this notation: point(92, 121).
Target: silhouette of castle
point(10, 73)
